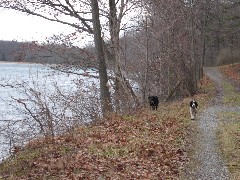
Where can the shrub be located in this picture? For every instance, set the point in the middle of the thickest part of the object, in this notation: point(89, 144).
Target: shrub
point(228, 56)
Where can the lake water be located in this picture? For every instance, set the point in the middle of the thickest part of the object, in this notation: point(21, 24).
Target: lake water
point(31, 75)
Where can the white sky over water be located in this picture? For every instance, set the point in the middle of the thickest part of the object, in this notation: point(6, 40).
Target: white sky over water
point(21, 27)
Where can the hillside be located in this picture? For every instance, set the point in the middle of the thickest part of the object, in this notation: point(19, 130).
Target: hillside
point(145, 145)
point(13, 51)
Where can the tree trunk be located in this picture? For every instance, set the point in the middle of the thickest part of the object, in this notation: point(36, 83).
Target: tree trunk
point(194, 64)
point(170, 94)
point(205, 17)
point(146, 74)
point(123, 90)
point(114, 33)
point(104, 90)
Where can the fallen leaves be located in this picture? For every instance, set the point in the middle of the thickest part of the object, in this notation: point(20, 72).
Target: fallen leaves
point(232, 71)
point(143, 146)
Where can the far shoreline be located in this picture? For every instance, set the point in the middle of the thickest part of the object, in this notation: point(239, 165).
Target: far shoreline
point(21, 62)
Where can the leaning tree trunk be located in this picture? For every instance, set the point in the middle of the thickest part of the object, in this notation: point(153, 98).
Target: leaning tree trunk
point(114, 33)
point(104, 90)
point(123, 90)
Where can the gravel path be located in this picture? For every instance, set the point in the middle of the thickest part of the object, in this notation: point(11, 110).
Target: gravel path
point(209, 165)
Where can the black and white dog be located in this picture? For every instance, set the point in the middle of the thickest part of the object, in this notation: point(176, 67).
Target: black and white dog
point(153, 101)
point(193, 109)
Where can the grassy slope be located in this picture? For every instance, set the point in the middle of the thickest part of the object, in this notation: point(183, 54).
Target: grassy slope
point(146, 145)
point(229, 129)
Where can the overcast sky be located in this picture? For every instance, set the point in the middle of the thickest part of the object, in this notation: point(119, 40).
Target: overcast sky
point(18, 26)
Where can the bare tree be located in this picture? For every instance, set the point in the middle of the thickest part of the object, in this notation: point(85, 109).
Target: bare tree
point(61, 11)
point(78, 14)
point(167, 44)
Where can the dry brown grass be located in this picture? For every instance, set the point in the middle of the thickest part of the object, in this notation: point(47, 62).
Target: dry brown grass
point(229, 141)
point(229, 128)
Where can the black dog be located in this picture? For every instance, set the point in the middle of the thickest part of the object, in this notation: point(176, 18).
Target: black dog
point(193, 109)
point(153, 101)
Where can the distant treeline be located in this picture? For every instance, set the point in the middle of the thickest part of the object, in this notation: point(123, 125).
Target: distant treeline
point(8, 50)
point(14, 51)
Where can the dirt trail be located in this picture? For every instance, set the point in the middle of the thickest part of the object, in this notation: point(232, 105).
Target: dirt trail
point(209, 164)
